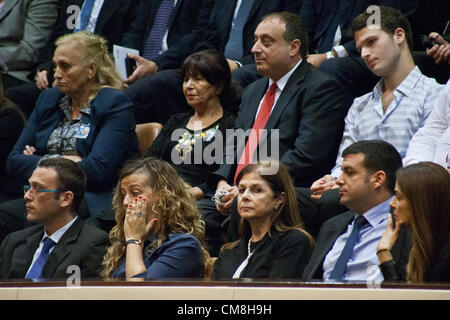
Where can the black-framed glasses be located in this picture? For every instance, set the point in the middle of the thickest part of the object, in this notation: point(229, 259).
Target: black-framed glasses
point(36, 190)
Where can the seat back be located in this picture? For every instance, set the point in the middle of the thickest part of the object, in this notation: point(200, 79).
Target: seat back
point(210, 268)
point(146, 134)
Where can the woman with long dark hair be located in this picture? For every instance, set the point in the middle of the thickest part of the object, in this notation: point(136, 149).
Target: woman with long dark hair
point(422, 206)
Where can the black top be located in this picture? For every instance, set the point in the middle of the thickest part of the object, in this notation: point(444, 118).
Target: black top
point(281, 255)
point(194, 170)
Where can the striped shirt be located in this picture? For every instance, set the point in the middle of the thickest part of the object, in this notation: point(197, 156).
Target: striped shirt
point(413, 103)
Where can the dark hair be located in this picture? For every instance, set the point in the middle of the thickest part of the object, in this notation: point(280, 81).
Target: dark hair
point(378, 155)
point(213, 66)
point(71, 177)
point(277, 176)
point(294, 28)
point(390, 19)
point(426, 187)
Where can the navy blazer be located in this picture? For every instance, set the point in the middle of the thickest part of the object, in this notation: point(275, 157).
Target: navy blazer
point(82, 245)
point(218, 29)
point(309, 115)
point(180, 256)
point(110, 142)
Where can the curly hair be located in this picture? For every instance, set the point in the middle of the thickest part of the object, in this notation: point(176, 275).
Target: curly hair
point(178, 212)
point(96, 51)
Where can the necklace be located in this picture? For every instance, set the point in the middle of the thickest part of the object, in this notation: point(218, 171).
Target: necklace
point(248, 247)
point(237, 273)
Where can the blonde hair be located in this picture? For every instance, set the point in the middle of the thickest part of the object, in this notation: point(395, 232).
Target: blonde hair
point(96, 51)
point(177, 209)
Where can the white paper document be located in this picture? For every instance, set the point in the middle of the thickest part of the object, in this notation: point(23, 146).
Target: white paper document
point(120, 55)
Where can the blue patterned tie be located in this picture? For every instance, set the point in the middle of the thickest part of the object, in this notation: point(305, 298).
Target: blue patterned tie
point(85, 14)
point(36, 269)
point(234, 47)
point(154, 40)
point(341, 264)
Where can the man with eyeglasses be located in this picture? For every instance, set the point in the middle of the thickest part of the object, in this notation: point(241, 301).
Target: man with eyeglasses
point(58, 239)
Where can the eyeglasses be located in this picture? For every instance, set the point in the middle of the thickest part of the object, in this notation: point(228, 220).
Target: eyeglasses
point(35, 190)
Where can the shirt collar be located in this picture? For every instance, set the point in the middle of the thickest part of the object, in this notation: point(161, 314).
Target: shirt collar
point(379, 213)
point(56, 236)
point(65, 104)
point(405, 87)
point(281, 83)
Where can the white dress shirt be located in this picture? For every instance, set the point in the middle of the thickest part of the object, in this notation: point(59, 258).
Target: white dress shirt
point(432, 141)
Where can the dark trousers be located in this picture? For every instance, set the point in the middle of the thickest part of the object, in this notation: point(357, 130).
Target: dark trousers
point(24, 96)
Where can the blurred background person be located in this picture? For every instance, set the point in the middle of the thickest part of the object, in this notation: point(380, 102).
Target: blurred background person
point(25, 28)
point(421, 205)
point(273, 242)
point(85, 118)
point(159, 233)
point(11, 124)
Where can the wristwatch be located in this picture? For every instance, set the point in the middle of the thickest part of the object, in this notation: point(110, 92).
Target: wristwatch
point(330, 55)
point(134, 241)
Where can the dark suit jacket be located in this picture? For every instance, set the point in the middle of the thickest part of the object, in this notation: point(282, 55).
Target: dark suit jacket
point(82, 245)
point(114, 20)
point(328, 235)
point(317, 15)
point(310, 116)
point(219, 26)
point(187, 25)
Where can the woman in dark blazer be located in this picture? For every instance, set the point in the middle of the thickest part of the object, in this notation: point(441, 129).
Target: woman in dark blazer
point(273, 242)
point(422, 206)
point(84, 118)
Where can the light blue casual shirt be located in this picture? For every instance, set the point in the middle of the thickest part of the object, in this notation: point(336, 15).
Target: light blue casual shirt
point(363, 262)
point(414, 100)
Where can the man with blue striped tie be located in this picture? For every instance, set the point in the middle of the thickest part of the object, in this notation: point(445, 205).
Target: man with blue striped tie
point(59, 239)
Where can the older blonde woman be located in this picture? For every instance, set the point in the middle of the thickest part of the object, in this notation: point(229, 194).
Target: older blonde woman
point(159, 232)
point(84, 118)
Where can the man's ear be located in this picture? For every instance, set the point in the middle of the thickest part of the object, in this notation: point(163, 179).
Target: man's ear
point(399, 36)
point(66, 198)
point(378, 179)
point(295, 46)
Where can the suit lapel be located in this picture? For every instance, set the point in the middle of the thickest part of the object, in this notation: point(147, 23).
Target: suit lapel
point(175, 12)
point(7, 8)
point(289, 91)
point(255, 7)
point(62, 249)
point(23, 254)
point(327, 241)
point(109, 7)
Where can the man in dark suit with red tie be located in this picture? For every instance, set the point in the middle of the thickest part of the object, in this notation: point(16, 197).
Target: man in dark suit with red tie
point(60, 239)
point(308, 109)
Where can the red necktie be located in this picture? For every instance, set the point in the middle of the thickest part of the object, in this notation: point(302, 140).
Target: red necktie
point(260, 123)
